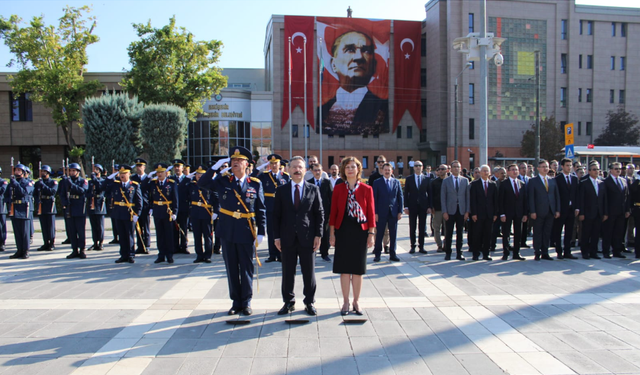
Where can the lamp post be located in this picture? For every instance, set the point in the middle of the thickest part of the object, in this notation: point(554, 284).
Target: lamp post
point(455, 125)
point(537, 55)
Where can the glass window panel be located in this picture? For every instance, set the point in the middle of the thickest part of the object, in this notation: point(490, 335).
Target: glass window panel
point(247, 129)
point(197, 130)
point(205, 129)
point(241, 132)
point(198, 149)
point(224, 129)
point(213, 129)
point(233, 142)
point(215, 146)
point(256, 132)
point(233, 129)
point(266, 130)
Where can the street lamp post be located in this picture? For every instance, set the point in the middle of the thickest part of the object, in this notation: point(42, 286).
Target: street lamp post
point(455, 125)
point(537, 55)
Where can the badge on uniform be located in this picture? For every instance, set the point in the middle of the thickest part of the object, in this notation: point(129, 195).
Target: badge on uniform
point(282, 181)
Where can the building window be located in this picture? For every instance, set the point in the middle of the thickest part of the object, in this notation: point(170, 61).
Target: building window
point(331, 160)
point(21, 107)
point(563, 29)
point(579, 61)
point(307, 131)
point(399, 132)
point(423, 77)
point(589, 61)
point(563, 63)
point(472, 66)
point(423, 52)
point(589, 27)
point(589, 95)
point(579, 95)
point(365, 162)
point(622, 97)
point(563, 96)
point(623, 29)
point(580, 27)
point(472, 128)
point(612, 96)
point(588, 130)
point(409, 132)
point(423, 107)
point(294, 131)
point(613, 29)
point(471, 94)
point(623, 61)
point(423, 135)
point(579, 127)
point(613, 63)
point(471, 22)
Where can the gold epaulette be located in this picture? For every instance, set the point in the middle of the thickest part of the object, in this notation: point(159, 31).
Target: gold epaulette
point(226, 174)
point(283, 172)
point(118, 181)
point(154, 179)
point(134, 182)
point(254, 179)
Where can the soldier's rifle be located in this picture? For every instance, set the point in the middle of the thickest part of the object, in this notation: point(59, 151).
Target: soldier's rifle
point(11, 211)
point(40, 190)
point(93, 187)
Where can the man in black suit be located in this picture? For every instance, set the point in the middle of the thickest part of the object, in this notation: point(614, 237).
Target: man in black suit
point(513, 209)
point(326, 191)
point(592, 210)
point(417, 202)
point(298, 220)
point(619, 210)
point(568, 190)
point(483, 199)
point(544, 205)
point(522, 176)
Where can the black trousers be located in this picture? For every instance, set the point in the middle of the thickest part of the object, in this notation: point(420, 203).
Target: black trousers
point(21, 230)
point(456, 219)
point(417, 216)
point(613, 234)
point(290, 257)
point(525, 232)
point(542, 227)
point(76, 227)
point(48, 226)
point(114, 228)
point(590, 236)
point(3, 229)
point(179, 239)
point(636, 221)
point(144, 222)
point(324, 244)
point(517, 233)
point(482, 233)
point(565, 221)
point(126, 229)
point(217, 242)
point(202, 238)
point(165, 230)
point(97, 228)
point(273, 250)
point(238, 258)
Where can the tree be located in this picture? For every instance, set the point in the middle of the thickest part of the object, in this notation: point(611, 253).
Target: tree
point(551, 140)
point(52, 64)
point(621, 129)
point(169, 66)
point(164, 129)
point(112, 126)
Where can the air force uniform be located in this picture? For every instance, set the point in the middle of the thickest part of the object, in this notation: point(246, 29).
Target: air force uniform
point(144, 241)
point(126, 202)
point(203, 206)
point(45, 199)
point(163, 197)
point(73, 192)
point(18, 196)
point(97, 207)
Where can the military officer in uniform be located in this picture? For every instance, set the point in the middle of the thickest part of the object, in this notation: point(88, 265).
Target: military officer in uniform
point(96, 206)
point(241, 226)
point(109, 200)
point(180, 239)
point(18, 197)
point(126, 208)
point(163, 197)
point(73, 190)
point(203, 210)
point(217, 243)
point(3, 212)
point(271, 179)
point(44, 193)
point(144, 241)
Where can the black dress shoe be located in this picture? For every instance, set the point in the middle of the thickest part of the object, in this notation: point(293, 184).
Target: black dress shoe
point(310, 309)
point(131, 260)
point(447, 257)
point(66, 242)
point(99, 248)
point(42, 248)
point(628, 251)
point(198, 261)
point(386, 249)
point(619, 256)
point(74, 254)
point(586, 257)
point(546, 257)
point(207, 260)
point(216, 251)
point(394, 259)
point(594, 257)
point(459, 257)
point(326, 258)
point(23, 256)
point(376, 259)
point(440, 250)
point(606, 256)
point(269, 260)
point(113, 242)
point(423, 251)
point(505, 257)
point(170, 261)
point(121, 260)
point(183, 251)
point(570, 256)
point(518, 257)
point(525, 246)
point(287, 308)
point(559, 256)
point(412, 251)
point(537, 257)
point(233, 311)
point(158, 260)
point(91, 248)
point(247, 311)
point(487, 258)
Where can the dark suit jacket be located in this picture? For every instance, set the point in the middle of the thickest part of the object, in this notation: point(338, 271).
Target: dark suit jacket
point(364, 197)
point(305, 223)
point(326, 191)
point(417, 197)
point(590, 205)
point(388, 202)
point(541, 201)
point(567, 193)
point(510, 206)
point(617, 200)
point(371, 117)
point(484, 206)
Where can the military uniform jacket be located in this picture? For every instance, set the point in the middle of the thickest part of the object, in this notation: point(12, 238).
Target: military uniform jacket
point(229, 228)
point(160, 202)
point(125, 200)
point(20, 193)
point(45, 195)
point(270, 183)
point(3, 188)
point(145, 196)
point(202, 203)
point(183, 198)
point(96, 194)
point(73, 196)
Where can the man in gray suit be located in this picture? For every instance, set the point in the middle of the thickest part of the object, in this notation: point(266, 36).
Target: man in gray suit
point(454, 197)
point(544, 206)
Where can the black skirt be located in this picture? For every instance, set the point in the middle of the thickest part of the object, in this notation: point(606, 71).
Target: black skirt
point(351, 247)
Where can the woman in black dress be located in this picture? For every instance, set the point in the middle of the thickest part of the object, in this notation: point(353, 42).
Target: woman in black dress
point(352, 230)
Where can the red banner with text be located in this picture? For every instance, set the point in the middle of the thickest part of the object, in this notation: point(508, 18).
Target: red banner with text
point(299, 29)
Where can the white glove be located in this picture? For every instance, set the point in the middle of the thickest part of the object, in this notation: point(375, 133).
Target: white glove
point(152, 174)
point(190, 175)
point(219, 163)
point(112, 175)
point(214, 216)
point(135, 218)
point(151, 212)
point(225, 170)
point(260, 239)
point(263, 166)
point(173, 217)
point(170, 168)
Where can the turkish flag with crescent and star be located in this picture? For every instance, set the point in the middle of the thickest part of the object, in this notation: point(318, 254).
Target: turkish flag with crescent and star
point(298, 28)
point(407, 42)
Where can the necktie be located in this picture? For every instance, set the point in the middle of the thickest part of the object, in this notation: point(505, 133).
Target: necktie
point(485, 188)
point(455, 181)
point(515, 188)
point(296, 197)
point(318, 183)
point(389, 185)
point(546, 186)
point(595, 186)
point(419, 180)
point(568, 181)
point(619, 183)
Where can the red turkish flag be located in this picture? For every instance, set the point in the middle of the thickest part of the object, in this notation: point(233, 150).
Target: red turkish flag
point(297, 28)
point(407, 43)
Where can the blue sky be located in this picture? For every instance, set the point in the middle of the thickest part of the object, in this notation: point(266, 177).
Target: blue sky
point(239, 24)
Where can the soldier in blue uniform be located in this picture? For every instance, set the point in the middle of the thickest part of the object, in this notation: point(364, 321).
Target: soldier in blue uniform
point(180, 239)
point(44, 193)
point(241, 226)
point(143, 241)
point(109, 202)
point(3, 212)
point(271, 179)
point(163, 196)
point(96, 206)
point(126, 202)
point(203, 210)
point(18, 197)
point(73, 196)
point(217, 243)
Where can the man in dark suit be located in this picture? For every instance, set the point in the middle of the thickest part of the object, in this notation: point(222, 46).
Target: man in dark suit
point(522, 176)
point(568, 190)
point(619, 210)
point(298, 219)
point(483, 199)
point(592, 210)
point(388, 198)
point(326, 191)
point(417, 201)
point(513, 209)
point(271, 179)
point(454, 197)
point(544, 205)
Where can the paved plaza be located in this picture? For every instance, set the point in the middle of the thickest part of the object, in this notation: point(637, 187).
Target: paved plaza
point(426, 316)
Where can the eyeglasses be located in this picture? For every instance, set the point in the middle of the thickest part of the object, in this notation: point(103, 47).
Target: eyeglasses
point(616, 169)
point(418, 165)
point(380, 161)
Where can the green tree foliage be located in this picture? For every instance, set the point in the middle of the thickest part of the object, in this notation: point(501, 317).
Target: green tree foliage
point(551, 140)
point(164, 129)
point(169, 66)
point(52, 63)
point(112, 126)
point(621, 129)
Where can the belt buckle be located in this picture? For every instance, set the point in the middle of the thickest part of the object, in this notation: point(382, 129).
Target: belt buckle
point(237, 215)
